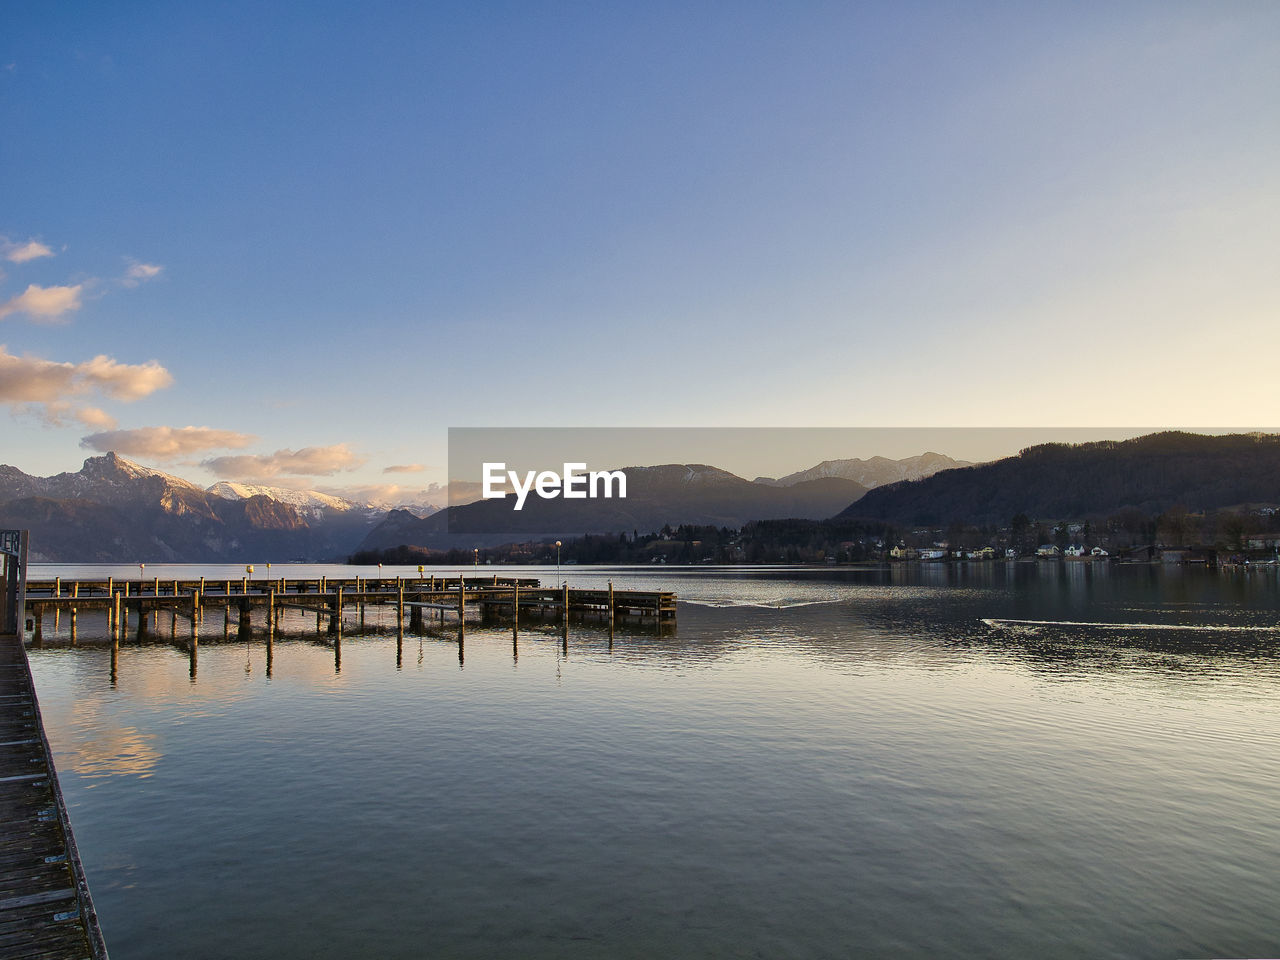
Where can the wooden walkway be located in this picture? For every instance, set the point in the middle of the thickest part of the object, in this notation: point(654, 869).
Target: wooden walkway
point(127, 606)
point(45, 908)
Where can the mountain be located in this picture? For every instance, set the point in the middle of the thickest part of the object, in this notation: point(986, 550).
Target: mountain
point(113, 509)
point(1077, 481)
point(871, 473)
point(668, 494)
point(308, 503)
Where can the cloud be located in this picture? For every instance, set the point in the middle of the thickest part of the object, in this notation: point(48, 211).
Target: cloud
point(22, 252)
point(165, 443)
point(404, 468)
point(93, 417)
point(125, 381)
point(309, 461)
point(140, 273)
point(43, 303)
point(28, 379)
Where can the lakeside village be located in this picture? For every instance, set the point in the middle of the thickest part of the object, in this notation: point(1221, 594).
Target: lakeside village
point(1243, 535)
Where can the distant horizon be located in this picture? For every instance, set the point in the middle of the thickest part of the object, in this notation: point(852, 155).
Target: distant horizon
point(524, 440)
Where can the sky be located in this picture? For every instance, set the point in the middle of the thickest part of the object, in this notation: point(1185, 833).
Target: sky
point(293, 244)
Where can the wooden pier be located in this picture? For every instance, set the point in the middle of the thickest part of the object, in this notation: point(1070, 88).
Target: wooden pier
point(128, 607)
point(45, 908)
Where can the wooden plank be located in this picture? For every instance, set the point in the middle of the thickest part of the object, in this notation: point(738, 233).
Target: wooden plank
point(45, 909)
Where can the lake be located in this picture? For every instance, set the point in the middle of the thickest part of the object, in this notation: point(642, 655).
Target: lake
point(819, 762)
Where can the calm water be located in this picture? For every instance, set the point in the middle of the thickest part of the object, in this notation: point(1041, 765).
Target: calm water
point(819, 763)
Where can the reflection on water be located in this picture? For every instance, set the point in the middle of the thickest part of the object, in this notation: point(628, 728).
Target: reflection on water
point(942, 761)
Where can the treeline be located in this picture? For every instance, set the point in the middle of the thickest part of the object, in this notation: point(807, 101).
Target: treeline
point(845, 540)
point(765, 541)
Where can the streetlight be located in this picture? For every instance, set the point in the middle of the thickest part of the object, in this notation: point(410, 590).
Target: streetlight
point(557, 563)
point(476, 561)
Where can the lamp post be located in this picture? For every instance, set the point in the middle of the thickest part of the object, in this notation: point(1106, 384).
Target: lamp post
point(475, 564)
point(557, 563)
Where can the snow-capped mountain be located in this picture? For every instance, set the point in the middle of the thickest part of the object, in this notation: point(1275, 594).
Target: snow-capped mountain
point(310, 503)
point(113, 509)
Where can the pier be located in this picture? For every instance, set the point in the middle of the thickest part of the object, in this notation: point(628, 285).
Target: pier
point(127, 607)
point(45, 907)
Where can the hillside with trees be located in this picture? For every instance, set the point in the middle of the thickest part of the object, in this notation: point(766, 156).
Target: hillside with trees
point(1148, 475)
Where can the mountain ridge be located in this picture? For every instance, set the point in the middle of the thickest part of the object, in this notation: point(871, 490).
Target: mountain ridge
point(1151, 474)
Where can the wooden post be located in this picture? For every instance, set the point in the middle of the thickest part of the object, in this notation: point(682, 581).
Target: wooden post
point(611, 605)
point(115, 658)
point(75, 592)
point(157, 587)
point(57, 586)
point(37, 615)
point(400, 605)
point(193, 653)
point(195, 612)
point(335, 619)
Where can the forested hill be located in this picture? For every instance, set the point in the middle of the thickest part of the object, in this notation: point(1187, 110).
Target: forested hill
point(1076, 481)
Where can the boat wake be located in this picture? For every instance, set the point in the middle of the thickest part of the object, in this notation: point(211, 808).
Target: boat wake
point(778, 604)
point(998, 622)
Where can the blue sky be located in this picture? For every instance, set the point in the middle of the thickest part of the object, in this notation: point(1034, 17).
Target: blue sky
point(321, 234)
